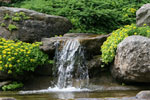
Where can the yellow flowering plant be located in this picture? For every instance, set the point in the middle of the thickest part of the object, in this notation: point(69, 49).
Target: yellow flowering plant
point(109, 47)
point(17, 57)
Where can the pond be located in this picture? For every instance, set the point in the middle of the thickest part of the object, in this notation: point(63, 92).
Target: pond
point(69, 95)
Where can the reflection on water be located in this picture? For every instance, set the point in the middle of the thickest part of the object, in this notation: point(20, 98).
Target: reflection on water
point(65, 96)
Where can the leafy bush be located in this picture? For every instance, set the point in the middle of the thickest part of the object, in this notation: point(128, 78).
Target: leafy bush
point(17, 57)
point(110, 45)
point(90, 16)
point(12, 86)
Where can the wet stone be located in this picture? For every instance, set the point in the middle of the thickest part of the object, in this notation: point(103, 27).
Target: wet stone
point(7, 98)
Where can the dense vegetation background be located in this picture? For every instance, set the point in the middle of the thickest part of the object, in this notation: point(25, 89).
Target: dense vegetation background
point(90, 16)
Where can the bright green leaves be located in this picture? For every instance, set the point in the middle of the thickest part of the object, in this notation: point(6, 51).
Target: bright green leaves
point(17, 57)
point(110, 45)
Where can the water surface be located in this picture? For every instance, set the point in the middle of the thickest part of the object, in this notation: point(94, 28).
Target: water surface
point(69, 95)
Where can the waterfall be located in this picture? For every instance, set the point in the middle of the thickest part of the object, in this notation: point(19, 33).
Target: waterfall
point(71, 69)
point(70, 63)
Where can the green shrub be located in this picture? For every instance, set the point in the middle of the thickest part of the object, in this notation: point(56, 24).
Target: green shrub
point(90, 16)
point(17, 57)
point(110, 45)
point(12, 86)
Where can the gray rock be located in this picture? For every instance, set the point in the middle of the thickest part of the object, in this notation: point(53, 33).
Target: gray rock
point(143, 15)
point(132, 60)
point(7, 98)
point(31, 25)
point(94, 66)
point(4, 83)
point(5, 1)
point(143, 95)
point(90, 42)
point(124, 98)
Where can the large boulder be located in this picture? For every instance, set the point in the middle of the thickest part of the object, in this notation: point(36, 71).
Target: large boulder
point(143, 15)
point(132, 60)
point(90, 42)
point(5, 1)
point(30, 26)
point(143, 95)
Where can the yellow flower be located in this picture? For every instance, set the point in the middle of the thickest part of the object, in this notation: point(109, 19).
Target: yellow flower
point(12, 57)
point(148, 31)
point(32, 60)
point(18, 61)
point(10, 65)
point(1, 68)
point(4, 56)
point(9, 71)
point(28, 52)
point(132, 10)
point(9, 59)
point(126, 15)
point(6, 65)
point(1, 62)
point(15, 53)
point(4, 52)
point(144, 24)
point(135, 33)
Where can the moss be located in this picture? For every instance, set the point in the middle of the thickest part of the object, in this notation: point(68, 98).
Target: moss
point(16, 18)
point(3, 24)
point(12, 27)
point(26, 17)
point(19, 16)
point(6, 17)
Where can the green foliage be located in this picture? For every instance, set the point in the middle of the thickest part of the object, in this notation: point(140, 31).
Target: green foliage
point(12, 86)
point(18, 57)
point(6, 17)
point(58, 35)
point(3, 24)
point(20, 16)
point(51, 61)
point(90, 16)
point(110, 45)
point(16, 18)
point(12, 27)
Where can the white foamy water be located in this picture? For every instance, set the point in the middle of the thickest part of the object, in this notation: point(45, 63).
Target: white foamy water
point(55, 89)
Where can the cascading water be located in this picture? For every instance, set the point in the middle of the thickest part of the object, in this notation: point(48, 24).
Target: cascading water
point(71, 68)
point(70, 62)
